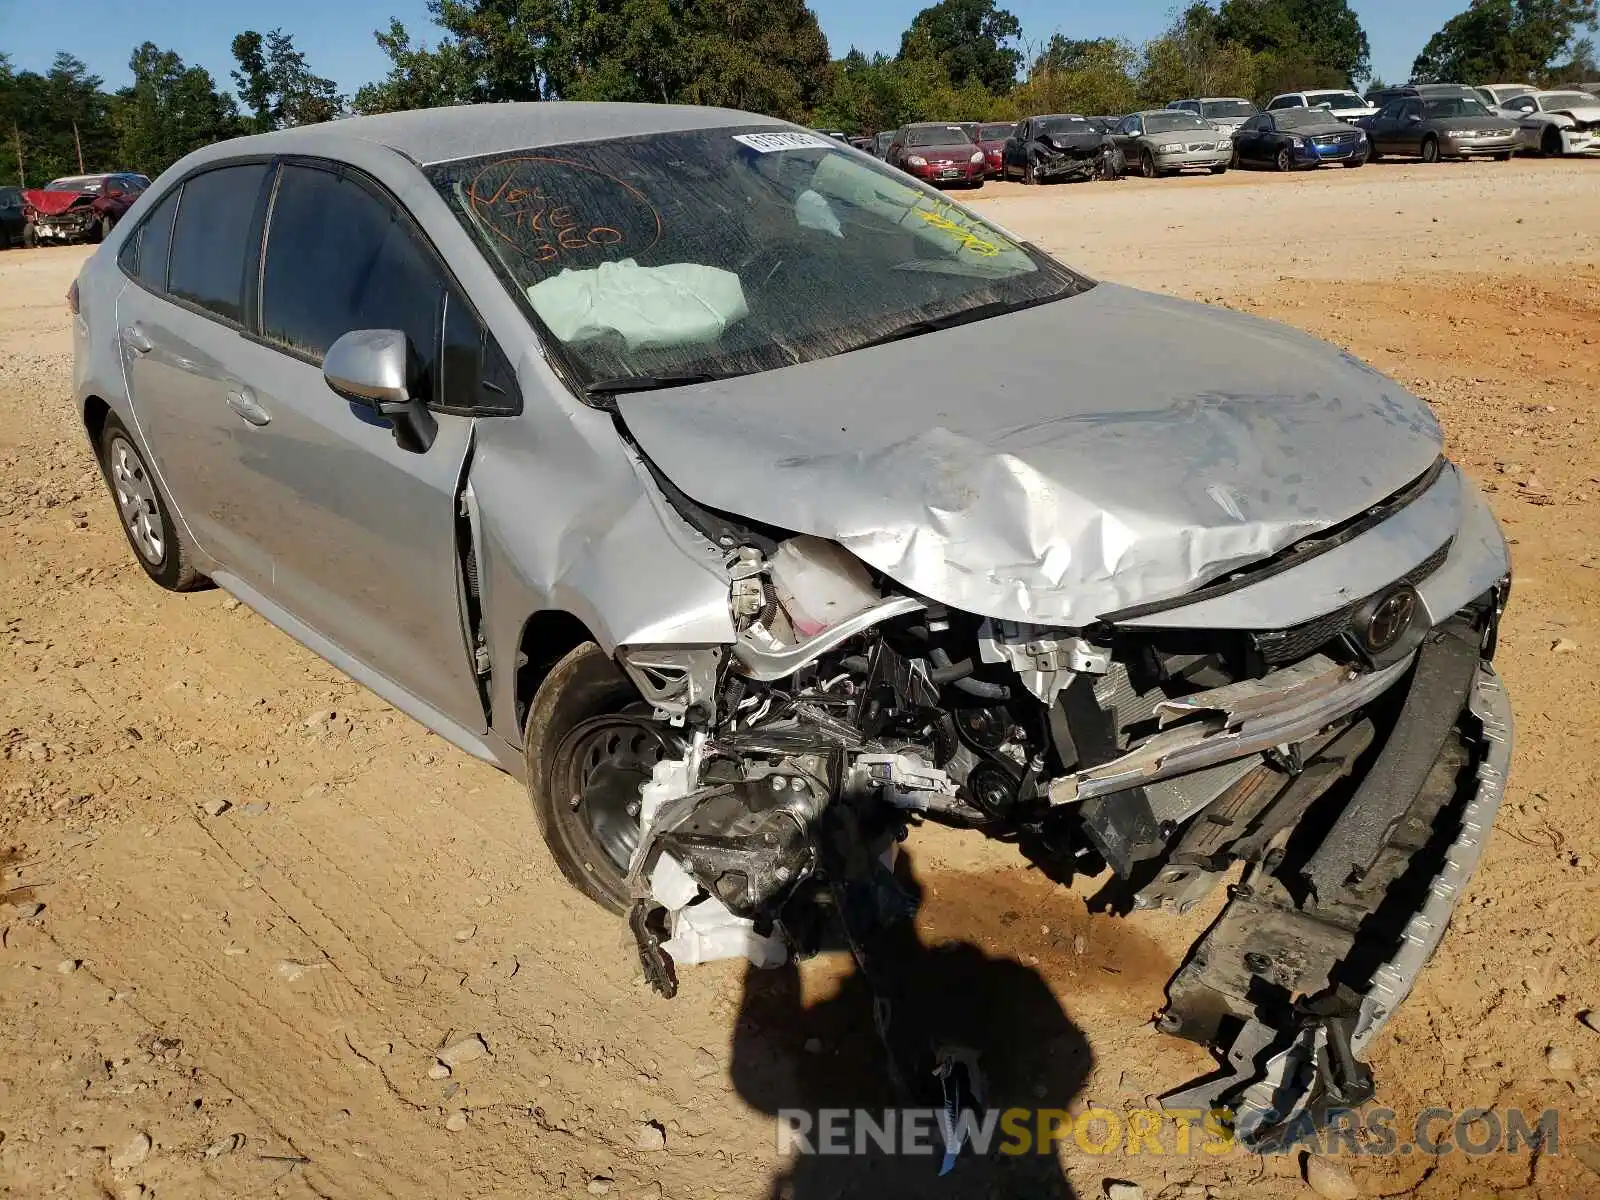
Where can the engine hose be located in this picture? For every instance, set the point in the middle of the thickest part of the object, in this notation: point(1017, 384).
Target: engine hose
point(732, 694)
point(769, 610)
point(956, 675)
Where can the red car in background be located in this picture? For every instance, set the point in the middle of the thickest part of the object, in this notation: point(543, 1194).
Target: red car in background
point(991, 138)
point(78, 208)
point(939, 153)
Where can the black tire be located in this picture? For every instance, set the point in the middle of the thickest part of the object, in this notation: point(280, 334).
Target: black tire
point(1550, 144)
point(1354, 163)
point(1430, 150)
point(101, 229)
point(139, 502)
point(1147, 164)
point(1373, 153)
point(590, 741)
point(1220, 169)
point(30, 236)
point(1505, 157)
point(1284, 160)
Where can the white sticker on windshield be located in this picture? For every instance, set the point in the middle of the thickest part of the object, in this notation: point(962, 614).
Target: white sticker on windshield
point(767, 143)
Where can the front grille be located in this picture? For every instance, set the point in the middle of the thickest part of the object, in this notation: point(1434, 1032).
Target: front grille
point(1280, 647)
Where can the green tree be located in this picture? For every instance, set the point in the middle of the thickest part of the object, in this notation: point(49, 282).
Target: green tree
point(418, 77)
point(170, 110)
point(1311, 36)
point(971, 39)
point(1504, 39)
point(52, 116)
point(1192, 59)
point(767, 55)
point(1089, 77)
point(277, 86)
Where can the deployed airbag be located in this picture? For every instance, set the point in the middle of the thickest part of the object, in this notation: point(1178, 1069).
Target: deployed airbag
point(679, 304)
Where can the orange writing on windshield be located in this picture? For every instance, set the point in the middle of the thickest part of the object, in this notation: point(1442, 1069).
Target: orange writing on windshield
point(591, 211)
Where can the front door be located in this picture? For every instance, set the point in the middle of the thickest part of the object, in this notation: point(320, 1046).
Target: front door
point(361, 534)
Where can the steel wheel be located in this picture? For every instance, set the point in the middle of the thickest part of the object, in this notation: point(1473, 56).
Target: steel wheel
point(1147, 164)
point(601, 767)
point(1430, 150)
point(136, 499)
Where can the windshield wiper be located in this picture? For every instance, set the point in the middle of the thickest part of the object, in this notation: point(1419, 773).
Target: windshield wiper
point(966, 316)
point(646, 383)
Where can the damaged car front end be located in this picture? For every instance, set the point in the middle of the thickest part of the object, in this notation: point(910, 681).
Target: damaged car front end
point(1150, 588)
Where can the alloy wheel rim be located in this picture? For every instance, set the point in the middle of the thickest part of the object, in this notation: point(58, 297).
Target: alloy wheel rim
point(136, 501)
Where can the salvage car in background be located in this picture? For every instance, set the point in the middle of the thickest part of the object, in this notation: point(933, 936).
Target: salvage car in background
point(12, 220)
point(991, 138)
point(632, 449)
point(1434, 126)
point(1495, 95)
point(938, 153)
point(881, 143)
point(79, 208)
point(1292, 138)
point(1345, 105)
point(1165, 141)
point(1225, 112)
point(1061, 146)
point(1556, 123)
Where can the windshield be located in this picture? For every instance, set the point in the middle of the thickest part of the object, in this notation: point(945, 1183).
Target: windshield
point(938, 135)
point(1302, 118)
point(1168, 122)
point(1062, 125)
point(995, 133)
point(882, 142)
point(1569, 100)
point(1228, 108)
point(75, 184)
point(1454, 106)
point(1338, 101)
point(713, 253)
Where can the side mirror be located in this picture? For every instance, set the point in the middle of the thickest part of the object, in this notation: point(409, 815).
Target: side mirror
point(372, 368)
point(1413, 119)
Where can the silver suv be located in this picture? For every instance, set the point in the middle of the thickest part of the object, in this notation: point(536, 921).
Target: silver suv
point(752, 501)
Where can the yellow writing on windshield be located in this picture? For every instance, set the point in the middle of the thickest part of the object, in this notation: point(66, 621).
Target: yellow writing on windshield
point(968, 239)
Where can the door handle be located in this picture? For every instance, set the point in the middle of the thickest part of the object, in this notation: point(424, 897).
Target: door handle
point(243, 404)
point(134, 338)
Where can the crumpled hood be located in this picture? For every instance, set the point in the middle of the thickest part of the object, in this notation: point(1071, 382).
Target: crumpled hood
point(51, 203)
point(1055, 464)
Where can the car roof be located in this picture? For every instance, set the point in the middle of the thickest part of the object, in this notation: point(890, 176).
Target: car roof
point(433, 135)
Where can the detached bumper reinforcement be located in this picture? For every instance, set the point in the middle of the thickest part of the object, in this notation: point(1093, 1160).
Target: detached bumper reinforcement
point(1274, 1087)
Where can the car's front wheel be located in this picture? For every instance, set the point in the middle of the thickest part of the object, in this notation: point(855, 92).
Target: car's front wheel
point(1550, 144)
point(1285, 159)
point(1147, 164)
point(591, 744)
point(163, 550)
point(30, 236)
point(1430, 150)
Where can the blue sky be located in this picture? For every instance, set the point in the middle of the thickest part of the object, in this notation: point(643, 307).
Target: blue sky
point(337, 34)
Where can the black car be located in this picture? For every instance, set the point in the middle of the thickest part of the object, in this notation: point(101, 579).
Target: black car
point(1290, 138)
point(11, 218)
point(1060, 146)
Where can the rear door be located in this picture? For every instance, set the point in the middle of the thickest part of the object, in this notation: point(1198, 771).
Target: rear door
point(361, 534)
point(181, 327)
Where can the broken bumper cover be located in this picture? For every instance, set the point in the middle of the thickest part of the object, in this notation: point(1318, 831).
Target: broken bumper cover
point(1278, 1084)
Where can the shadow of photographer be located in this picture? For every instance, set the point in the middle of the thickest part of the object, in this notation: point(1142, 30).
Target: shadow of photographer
point(797, 1060)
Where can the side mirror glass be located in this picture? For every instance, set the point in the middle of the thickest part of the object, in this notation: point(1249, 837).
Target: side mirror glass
point(372, 368)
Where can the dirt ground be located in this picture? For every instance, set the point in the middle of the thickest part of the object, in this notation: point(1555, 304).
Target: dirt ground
point(248, 1002)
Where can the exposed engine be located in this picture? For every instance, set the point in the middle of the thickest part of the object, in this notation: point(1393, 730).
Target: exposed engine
point(844, 712)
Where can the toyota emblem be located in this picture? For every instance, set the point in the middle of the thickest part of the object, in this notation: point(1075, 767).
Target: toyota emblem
point(1390, 619)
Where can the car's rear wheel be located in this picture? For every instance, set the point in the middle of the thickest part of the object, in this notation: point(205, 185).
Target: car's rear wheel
point(1550, 143)
point(591, 744)
point(163, 550)
point(1285, 159)
point(1430, 150)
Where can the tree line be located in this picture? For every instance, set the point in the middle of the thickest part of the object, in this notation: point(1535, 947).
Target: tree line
point(958, 60)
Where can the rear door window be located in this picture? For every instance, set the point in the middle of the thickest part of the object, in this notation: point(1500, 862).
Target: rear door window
point(211, 242)
point(340, 258)
point(145, 254)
